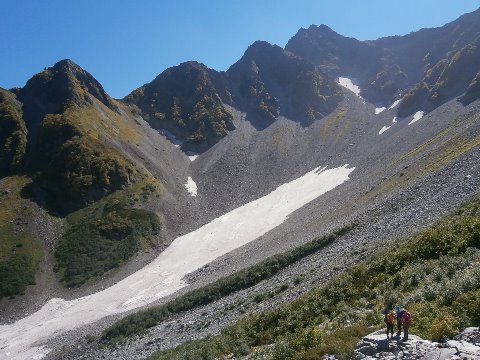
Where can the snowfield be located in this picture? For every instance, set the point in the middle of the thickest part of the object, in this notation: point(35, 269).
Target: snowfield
point(348, 83)
point(385, 128)
point(26, 338)
point(395, 103)
point(417, 116)
point(379, 110)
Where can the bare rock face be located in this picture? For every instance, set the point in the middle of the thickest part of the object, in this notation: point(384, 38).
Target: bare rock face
point(376, 346)
point(427, 68)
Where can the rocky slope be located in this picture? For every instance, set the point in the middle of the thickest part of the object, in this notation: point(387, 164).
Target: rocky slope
point(465, 345)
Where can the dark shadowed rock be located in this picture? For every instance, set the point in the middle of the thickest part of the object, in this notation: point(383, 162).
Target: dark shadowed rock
point(269, 81)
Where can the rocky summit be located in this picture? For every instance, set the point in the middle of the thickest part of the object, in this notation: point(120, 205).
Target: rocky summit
point(269, 211)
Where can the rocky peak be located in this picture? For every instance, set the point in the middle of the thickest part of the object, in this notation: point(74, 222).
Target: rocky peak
point(260, 50)
point(187, 100)
point(55, 88)
point(268, 78)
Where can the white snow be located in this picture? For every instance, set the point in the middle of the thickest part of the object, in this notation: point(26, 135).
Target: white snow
point(385, 128)
point(379, 110)
point(25, 338)
point(417, 116)
point(348, 83)
point(395, 103)
point(191, 155)
point(191, 186)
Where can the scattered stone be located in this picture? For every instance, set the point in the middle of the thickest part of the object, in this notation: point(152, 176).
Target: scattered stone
point(376, 346)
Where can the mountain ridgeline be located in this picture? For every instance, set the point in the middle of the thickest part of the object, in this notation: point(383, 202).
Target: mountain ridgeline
point(424, 68)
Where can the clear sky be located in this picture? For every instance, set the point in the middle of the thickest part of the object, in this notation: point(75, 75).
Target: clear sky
point(126, 43)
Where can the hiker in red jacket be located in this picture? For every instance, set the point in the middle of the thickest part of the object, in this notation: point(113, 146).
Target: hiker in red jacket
point(406, 321)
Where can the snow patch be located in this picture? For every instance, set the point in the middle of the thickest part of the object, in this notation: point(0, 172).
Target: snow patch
point(164, 276)
point(385, 128)
point(395, 103)
point(417, 116)
point(379, 110)
point(191, 155)
point(191, 186)
point(348, 84)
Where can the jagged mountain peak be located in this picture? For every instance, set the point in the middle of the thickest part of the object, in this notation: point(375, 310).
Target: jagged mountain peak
point(320, 30)
point(55, 88)
point(186, 100)
point(67, 65)
point(189, 69)
point(260, 47)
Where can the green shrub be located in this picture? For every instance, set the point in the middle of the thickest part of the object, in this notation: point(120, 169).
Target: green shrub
point(16, 273)
point(444, 326)
point(13, 135)
point(82, 171)
point(101, 238)
point(342, 341)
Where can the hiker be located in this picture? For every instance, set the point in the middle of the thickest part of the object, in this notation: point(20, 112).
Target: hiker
point(399, 315)
point(406, 321)
point(390, 321)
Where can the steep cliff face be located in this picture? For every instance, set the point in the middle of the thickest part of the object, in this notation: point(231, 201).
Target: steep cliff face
point(272, 82)
point(432, 65)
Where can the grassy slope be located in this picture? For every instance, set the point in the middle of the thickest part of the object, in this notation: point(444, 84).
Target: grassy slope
point(435, 274)
point(20, 252)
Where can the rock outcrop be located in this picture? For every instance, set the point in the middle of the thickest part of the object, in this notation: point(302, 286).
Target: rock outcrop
point(376, 346)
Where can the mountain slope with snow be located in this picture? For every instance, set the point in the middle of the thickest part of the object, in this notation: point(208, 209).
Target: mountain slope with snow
point(222, 164)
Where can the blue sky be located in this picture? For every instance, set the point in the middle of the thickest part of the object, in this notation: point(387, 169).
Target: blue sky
point(126, 43)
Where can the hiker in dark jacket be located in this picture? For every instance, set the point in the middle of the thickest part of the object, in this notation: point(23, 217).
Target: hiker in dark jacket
point(399, 313)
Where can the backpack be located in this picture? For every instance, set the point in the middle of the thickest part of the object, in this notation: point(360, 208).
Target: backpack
point(390, 317)
point(407, 317)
